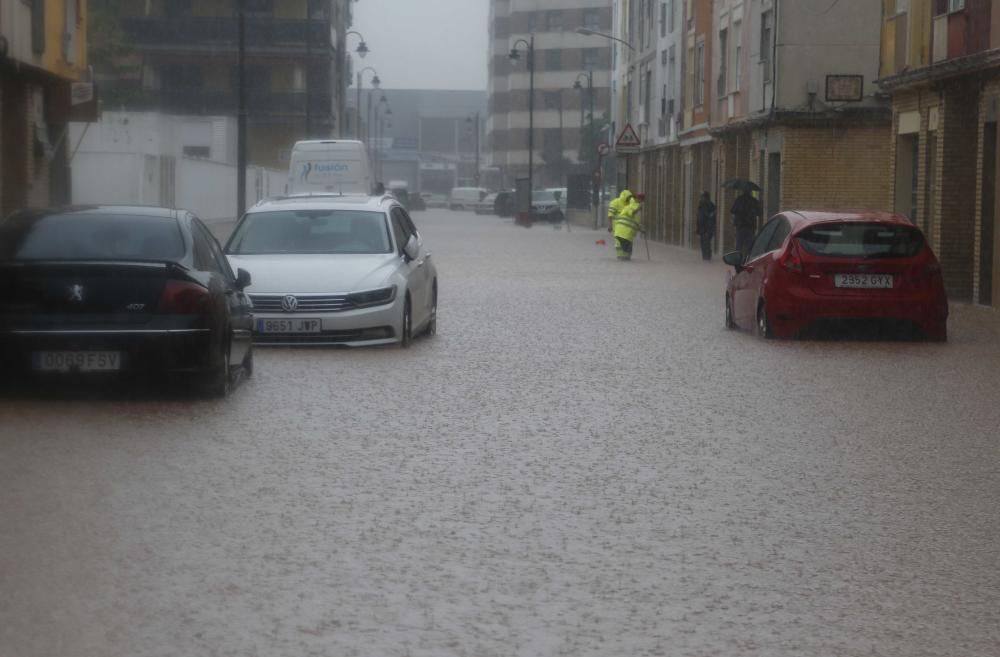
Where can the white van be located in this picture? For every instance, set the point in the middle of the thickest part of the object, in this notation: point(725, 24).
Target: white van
point(465, 198)
point(330, 165)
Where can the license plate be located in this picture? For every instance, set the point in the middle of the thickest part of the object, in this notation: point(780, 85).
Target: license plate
point(77, 361)
point(289, 326)
point(865, 281)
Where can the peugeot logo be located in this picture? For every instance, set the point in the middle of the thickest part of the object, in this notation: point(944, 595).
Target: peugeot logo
point(75, 294)
point(289, 304)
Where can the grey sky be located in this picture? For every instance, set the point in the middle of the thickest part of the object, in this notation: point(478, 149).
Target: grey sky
point(425, 44)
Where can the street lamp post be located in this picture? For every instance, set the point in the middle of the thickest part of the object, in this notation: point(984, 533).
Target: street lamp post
point(475, 124)
point(362, 50)
point(594, 199)
point(376, 82)
point(514, 56)
point(241, 117)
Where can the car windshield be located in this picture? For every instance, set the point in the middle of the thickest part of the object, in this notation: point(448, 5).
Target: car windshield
point(311, 232)
point(862, 240)
point(90, 236)
point(543, 197)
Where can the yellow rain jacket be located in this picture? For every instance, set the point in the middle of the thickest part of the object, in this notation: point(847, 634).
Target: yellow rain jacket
point(618, 204)
point(629, 221)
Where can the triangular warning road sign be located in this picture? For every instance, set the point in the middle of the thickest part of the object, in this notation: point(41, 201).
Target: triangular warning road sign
point(628, 140)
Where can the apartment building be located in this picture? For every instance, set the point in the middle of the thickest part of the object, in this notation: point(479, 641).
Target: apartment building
point(43, 52)
point(182, 58)
point(940, 60)
point(562, 58)
point(662, 90)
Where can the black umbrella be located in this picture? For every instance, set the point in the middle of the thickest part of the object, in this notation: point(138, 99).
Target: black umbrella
point(741, 184)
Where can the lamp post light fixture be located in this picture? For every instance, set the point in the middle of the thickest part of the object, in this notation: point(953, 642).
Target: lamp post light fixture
point(515, 56)
point(362, 49)
point(589, 77)
point(376, 82)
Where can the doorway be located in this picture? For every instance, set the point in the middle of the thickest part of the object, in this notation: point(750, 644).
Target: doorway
point(988, 252)
point(773, 184)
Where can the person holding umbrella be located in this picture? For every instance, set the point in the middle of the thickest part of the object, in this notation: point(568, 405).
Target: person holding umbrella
point(745, 212)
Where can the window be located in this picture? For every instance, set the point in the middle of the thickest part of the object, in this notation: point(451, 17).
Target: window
point(591, 58)
point(956, 5)
point(553, 59)
point(221, 264)
point(766, 44)
point(553, 21)
point(699, 74)
point(552, 100)
point(781, 231)
point(663, 19)
point(762, 240)
point(311, 231)
point(204, 260)
point(671, 71)
point(592, 19)
point(738, 56)
point(670, 15)
point(90, 236)
point(400, 229)
point(862, 240)
point(723, 83)
point(647, 96)
point(532, 22)
point(259, 7)
point(198, 151)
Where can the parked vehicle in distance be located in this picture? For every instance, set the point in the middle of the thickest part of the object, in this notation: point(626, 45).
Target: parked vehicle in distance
point(811, 270)
point(503, 205)
point(561, 194)
point(486, 206)
point(99, 291)
point(465, 198)
point(336, 270)
point(330, 165)
point(418, 202)
point(545, 206)
point(401, 190)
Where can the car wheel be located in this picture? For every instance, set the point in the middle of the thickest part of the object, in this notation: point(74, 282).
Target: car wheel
point(220, 381)
point(406, 333)
point(432, 324)
point(730, 322)
point(763, 323)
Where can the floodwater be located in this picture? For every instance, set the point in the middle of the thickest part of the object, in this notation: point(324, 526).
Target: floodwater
point(583, 462)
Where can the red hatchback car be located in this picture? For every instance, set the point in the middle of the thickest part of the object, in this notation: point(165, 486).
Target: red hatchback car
point(810, 269)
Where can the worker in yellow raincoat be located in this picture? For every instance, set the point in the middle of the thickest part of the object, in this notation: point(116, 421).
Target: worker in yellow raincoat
point(616, 206)
point(627, 225)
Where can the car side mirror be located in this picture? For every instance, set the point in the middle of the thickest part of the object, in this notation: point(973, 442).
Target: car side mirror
point(734, 259)
point(412, 248)
point(243, 279)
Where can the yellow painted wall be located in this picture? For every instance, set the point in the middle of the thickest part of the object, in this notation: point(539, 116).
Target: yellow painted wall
point(54, 59)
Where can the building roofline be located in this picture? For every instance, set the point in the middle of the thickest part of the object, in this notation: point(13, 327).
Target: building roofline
point(868, 115)
point(943, 70)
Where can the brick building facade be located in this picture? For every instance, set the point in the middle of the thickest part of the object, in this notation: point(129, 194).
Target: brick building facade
point(941, 64)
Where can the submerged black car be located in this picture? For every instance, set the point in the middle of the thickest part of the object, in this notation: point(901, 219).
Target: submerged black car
point(121, 291)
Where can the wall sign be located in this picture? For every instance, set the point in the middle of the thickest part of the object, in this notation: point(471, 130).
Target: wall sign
point(845, 88)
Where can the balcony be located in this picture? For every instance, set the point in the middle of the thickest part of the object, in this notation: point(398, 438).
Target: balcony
point(260, 104)
point(263, 35)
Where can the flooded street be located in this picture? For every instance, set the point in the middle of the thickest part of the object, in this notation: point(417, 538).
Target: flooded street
point(582, 462)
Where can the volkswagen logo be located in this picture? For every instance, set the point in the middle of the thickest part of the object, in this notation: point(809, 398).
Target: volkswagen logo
point(74, 294)
point(289, 303)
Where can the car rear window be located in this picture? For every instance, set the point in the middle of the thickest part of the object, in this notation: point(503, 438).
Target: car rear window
point(311, 232)
point(862, 240)
point(91, 236)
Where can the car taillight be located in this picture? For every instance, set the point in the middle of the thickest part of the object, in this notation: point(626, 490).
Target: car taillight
point(792, 260)
point(183, 298)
